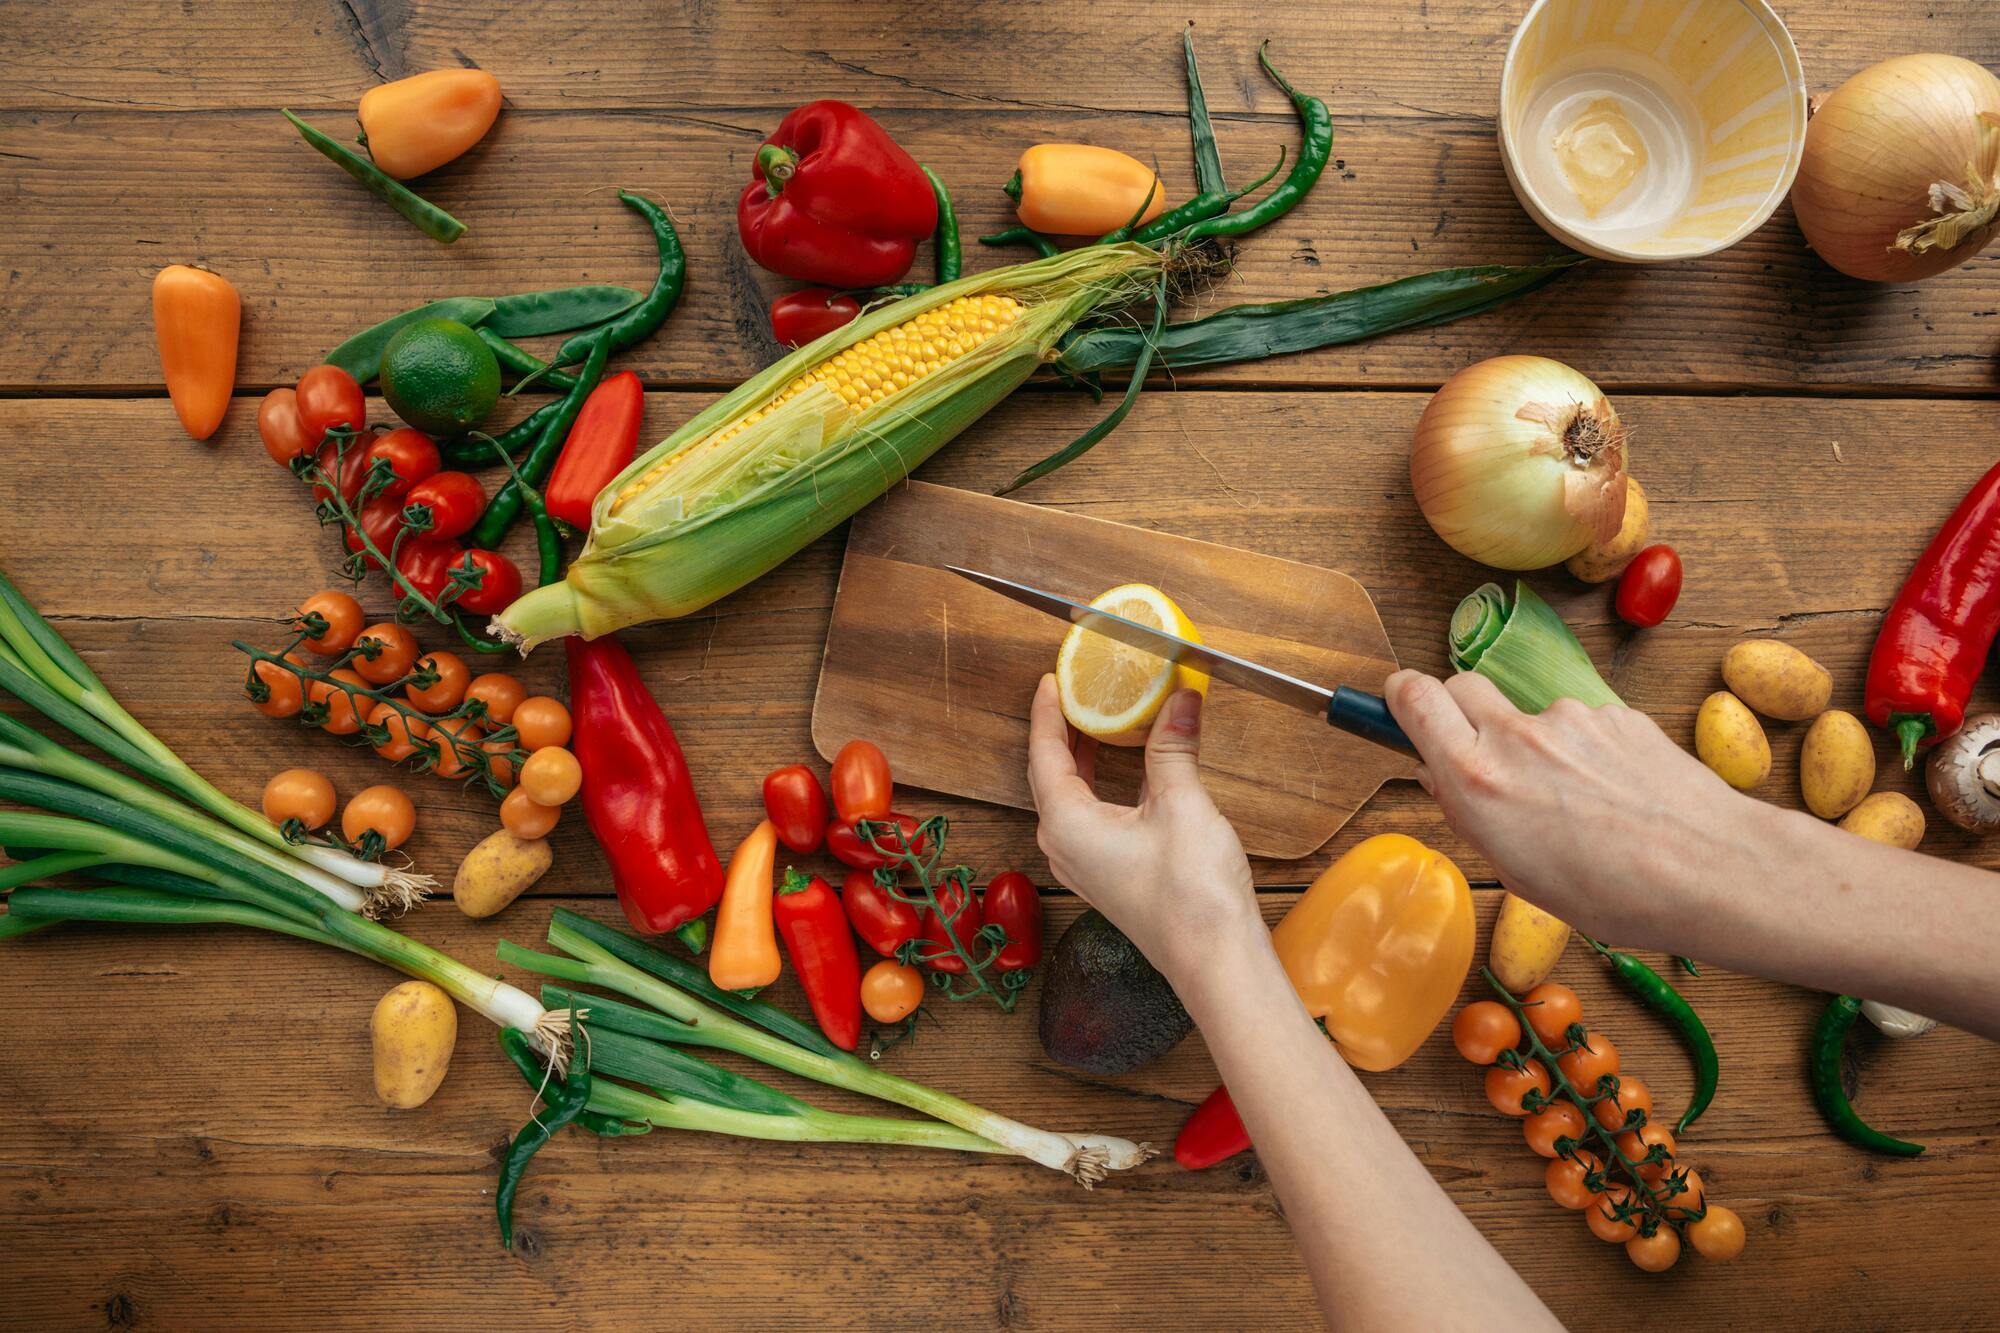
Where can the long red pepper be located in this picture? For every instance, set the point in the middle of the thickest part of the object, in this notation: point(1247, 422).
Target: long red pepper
point(638, 795)
point(601, 442)
point(1934, 640)
point(815, 932)
point(1214, 1133)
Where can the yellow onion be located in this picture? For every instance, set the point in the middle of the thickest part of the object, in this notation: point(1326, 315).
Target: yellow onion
point(1901, 174)
point(1519, 462)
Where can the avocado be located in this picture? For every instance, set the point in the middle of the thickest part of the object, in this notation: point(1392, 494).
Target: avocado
point(1105, 1009)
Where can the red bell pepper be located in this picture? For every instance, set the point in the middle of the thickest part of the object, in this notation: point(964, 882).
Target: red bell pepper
point(960, 921)
point(638, 795)
point(798, 318)
point(822, 948)
point(1012, 904)
point(1214, 1133)
point(886, 923)
point(601, 443)
point(1935, 638)
point(834, 200)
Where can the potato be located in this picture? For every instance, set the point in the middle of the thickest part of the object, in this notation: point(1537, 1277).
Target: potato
point(1777, 679)
point(498, 871)
point(1837, 765)
point(414, 1027)
point(1607, 560)
point(1728, 739)
point(1525, 946)
point(1889, 817)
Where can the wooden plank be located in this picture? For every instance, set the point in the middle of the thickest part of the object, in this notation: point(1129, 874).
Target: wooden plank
point(227, 1183)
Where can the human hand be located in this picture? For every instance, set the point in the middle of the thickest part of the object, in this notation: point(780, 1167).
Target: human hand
point(1169, 872)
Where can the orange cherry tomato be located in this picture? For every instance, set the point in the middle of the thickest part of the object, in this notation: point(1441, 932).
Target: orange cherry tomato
point(499, 761)
point(1719, 1234)
point(301, 794)
point(1691, 1194)
point(1655, 1253)
point(278, 425)
point(1506, 1087)
point(1552, 1007)
point(385, 810)
point(1588, 1063)
point(447, 691)
point(1568, 1179)
point(891, 991)
point(551, 775)
point(861, 783)
point(404, 734)
point(526, 819)
point(341, 719)
point(540, 722)
point(1557, 1120)
point(1635, 1144)
point(1483, 1029)
point(500, 694)
point(1602, 1224)
point(394, 654)
point(285, 696)
point(1633, 1095)
point(456, 738)
point(343, 618)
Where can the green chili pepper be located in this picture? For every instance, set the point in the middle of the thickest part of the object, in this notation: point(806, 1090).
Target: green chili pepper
point(505, 507)
point(519, 361)
point(1124, 233)
point(1659, 995)
point(1202, 207)
point(1829, 1044)
point(563, 1101)
point(559, 309)
point(475, 451)
point(1041, 244)
point(946, 240)
point(522, 1054)
point(642, 319)
point(473, 639)
point(1315, 151)
point(426, 216)
point(361, 355)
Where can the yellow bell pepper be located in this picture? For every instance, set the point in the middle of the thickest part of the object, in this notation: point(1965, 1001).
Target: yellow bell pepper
point(1379, 946)
point(1075, 189)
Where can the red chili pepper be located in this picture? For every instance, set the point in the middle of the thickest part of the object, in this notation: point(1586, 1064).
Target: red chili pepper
point(637, 793)
point(1012, 904)
point(834, 200)
point(884, 922)
point(1936, 636)
point(849, 848)
point(601, 442)
point(816, 936)
point(798, 318)
point(795, 804)
point(1214, 1133)
point(960, 920)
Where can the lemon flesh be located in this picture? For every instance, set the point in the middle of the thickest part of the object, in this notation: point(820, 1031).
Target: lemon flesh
point(1112, 692)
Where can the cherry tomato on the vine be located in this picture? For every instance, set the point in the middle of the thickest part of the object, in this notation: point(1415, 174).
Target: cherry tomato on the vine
point(447, 691)
point(457, 738)
point(882, 922)
point(1588, 1063)
point(404, 733)
point(1632, 1095)
point(892, 831)
point(279, 426)
point(1636, 1143)
point(527, 819)
point(500, 693)
point(861, 783)
point(1718, 1236)
point(1483, 1029)
point(411, 455)
point(551, 775)
point(1552, 1007)
point(348, 469)
point(1011, 903)
point(1655, 1253)
point(934, 942)
point(381, 519)
point(301, 794)
point(425, 562)
point(1567, 1179)
point(891, 991)
point(540, 721)
point(328, 397)
point(343, 617)
point(499, 581)
point(1506, 1088)
point(1557, 1120)
point(1649, 587)
point(1603, 1224)
point(795, 803)
point(340, 719)
point(395, 652)
point(283, 694)
point(454, 499)
point(384, 810)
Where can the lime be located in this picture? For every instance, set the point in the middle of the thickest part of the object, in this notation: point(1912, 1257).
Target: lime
point(438, 376)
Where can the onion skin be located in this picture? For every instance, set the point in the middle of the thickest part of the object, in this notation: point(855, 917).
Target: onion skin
point(1519, 463)
point(1874, 149)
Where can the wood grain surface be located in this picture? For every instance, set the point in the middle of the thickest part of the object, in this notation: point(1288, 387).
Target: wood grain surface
point(192, 1140)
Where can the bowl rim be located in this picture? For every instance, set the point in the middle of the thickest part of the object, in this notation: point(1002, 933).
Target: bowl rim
point(1788, 55)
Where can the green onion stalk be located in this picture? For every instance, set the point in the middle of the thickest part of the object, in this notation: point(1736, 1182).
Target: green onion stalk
point(40, 668)
point(1525, 649)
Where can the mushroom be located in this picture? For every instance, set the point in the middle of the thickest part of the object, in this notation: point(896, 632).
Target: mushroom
point(1964, 775)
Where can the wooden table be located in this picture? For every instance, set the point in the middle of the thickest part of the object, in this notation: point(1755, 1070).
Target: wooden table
point(192, 1140)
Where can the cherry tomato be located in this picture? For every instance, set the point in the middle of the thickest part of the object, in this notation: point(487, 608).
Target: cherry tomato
point(341, 719)
point(343, 618)
point(861, 785)
point(347, 467)
point(795, 803)
point(1568, 1179)
point(1655, 1253)
point(882, 922)
point(278, 424)
point(1633, 1094)
point(1636, 1143)
point(1552, 1007)
point(961, 909)
point(404, 733)
point(891, 991)
point(301, 794)
point(411, 455)
point(1483, 1029)
point(444, 693)
point(394, 654)
point(383, 810)
point(540, 721)
point(849, 848)
point(1588, 1063)
point(454, 500)
point(1718, 1236)
point(499, 582)
point(1649, 587)
point(381, 519)
point(1011, 903)
point(284, 694)
point(425, 563)
point(1506, 1088)
point(1603, 1224)
point(551, 776)
point(499, 761)
point(526, 819)
point(1557, 1120)
point(328, 396)
point(499, 693)
point(798, 318)
point(457, 738)
point(1689, 1195)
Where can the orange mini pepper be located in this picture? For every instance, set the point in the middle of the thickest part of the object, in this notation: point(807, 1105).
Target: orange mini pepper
point(420, 123)
point(197, 317)
point(1074, 189)
point(745, 953)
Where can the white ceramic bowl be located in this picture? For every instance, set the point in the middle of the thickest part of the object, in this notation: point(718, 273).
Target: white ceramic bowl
point(1713, 88)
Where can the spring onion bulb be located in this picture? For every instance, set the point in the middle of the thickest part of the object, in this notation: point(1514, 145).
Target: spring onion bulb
point(1900, 178)
point(1519, 463)
point(1525, 649)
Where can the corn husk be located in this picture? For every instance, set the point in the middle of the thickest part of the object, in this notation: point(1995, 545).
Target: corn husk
point(768, 491)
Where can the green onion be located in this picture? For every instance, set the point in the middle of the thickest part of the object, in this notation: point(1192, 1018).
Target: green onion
point(1525, 649)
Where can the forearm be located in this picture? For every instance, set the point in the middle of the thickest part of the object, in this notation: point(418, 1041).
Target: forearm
point(1384, 1244)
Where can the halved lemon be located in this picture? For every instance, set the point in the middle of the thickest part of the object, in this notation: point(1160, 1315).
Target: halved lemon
point(1113, 692)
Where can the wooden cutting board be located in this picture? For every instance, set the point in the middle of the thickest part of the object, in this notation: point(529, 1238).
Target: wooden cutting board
point(940, 672)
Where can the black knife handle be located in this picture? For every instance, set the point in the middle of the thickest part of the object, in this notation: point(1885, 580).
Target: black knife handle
point(1359, 713)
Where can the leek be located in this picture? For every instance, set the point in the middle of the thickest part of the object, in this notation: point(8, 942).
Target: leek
point(1525, 649)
